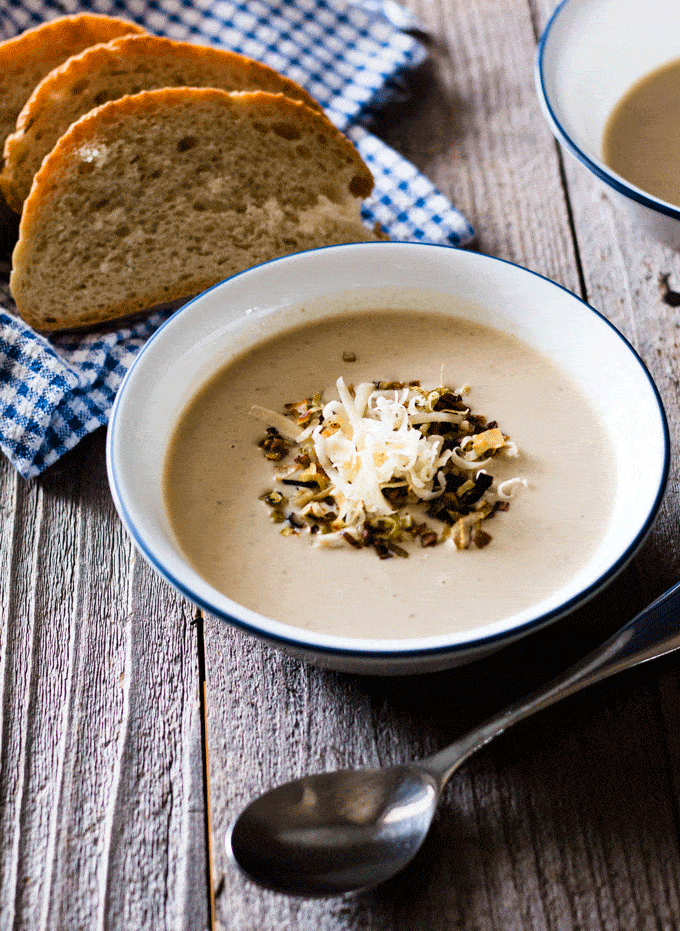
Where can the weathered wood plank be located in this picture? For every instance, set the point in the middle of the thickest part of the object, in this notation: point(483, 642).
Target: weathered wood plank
point(101, 778)
point(628, 277)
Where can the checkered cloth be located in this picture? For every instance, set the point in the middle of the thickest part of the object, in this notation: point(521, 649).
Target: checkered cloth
point(349, 54)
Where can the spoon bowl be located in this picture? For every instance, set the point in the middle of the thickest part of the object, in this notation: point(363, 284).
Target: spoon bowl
point(350, 829)
point(347, 831)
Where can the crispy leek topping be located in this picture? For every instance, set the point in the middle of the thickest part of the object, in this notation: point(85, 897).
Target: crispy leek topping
point(356, 467)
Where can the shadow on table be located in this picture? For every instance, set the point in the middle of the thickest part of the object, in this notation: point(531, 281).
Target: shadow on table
point(423, 118)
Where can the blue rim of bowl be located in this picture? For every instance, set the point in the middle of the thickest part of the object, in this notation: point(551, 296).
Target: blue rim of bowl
point(410, 653)
point(619, 184)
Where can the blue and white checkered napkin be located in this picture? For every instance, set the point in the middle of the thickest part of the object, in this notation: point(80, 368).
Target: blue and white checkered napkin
point(349, 55)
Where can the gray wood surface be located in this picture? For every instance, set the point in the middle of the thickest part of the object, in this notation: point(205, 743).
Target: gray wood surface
point(120, 706)
point(101, 778)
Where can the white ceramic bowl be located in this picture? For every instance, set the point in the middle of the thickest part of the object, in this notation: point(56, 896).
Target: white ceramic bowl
point(238, 313)
point(591, 53)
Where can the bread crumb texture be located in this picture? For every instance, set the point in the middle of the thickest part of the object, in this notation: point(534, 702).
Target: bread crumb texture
point(104, 72)
point(157, 196)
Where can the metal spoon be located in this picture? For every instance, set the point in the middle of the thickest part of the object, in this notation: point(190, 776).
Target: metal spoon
point(347, 831)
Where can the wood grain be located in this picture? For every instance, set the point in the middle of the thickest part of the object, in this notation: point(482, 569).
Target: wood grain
point(101, 780)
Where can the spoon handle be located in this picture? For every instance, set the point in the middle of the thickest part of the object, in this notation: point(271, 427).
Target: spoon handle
point(653, 632)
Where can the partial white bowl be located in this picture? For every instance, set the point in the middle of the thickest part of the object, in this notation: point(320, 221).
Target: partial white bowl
point(238, 313)
point(590, 54)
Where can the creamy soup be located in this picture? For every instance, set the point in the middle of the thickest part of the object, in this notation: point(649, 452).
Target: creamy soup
point(215, 473)
point(642, 137)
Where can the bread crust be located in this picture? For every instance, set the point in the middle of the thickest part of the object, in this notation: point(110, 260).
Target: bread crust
point(292, 122)
point(115, 69)
point(61, 34)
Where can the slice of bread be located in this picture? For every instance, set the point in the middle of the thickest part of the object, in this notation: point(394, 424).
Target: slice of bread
point(107, 72)
point(157, 196)
point(26, 59)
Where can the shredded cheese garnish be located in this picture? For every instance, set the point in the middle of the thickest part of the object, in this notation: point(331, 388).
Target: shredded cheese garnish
point(362, 461)
point(373, 444)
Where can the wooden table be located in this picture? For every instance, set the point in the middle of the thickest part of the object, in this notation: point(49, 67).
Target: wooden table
point(133, 729)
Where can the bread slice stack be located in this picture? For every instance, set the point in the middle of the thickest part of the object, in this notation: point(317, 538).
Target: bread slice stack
point(147, 170)
point(28, 58)
point(112, 70)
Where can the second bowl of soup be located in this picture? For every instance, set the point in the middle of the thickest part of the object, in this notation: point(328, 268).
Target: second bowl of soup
point(607, 74)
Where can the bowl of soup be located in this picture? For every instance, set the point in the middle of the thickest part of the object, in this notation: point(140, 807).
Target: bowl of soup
point(607, 76)
point(387, 457)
